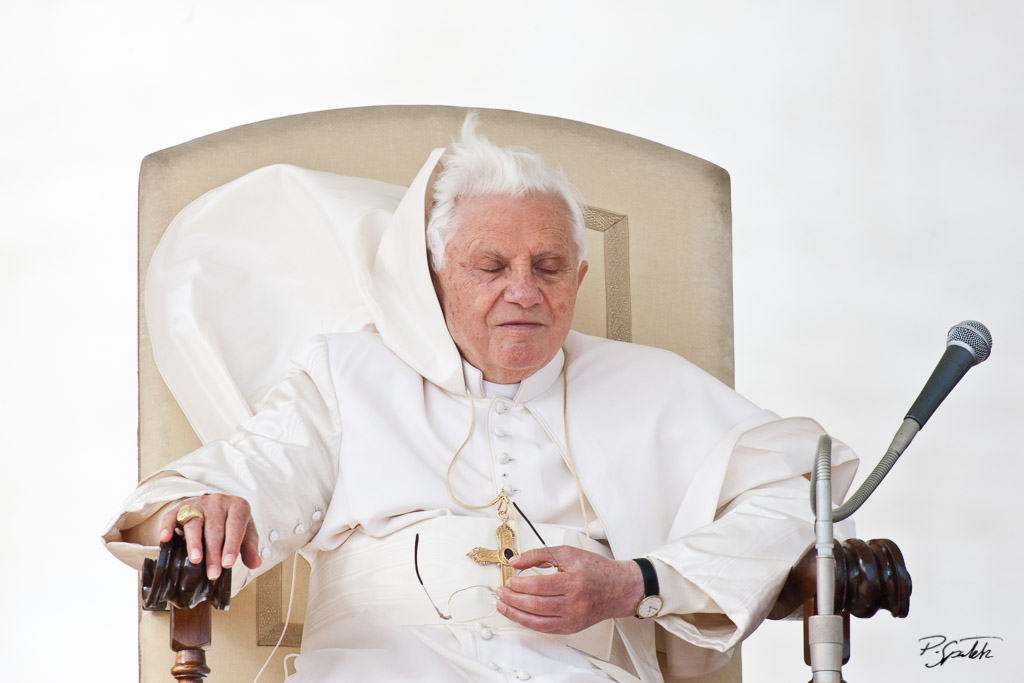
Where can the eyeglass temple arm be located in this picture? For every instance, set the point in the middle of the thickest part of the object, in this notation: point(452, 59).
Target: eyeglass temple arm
point(416, 565)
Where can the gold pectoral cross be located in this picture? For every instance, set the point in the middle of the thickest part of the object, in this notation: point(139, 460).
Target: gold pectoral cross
point(501, 556)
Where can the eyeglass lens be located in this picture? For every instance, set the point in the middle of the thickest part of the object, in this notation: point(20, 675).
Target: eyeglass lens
point(472, 603)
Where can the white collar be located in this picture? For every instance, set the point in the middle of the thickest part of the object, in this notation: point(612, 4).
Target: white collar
point(529, 389)
point(495, 390)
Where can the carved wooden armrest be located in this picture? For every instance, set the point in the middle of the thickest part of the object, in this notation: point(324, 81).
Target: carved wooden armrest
point(173, 580)
point(869, 576)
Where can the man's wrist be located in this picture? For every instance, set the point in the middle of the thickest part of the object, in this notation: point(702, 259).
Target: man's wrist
point(650, 605)
point(632, 591)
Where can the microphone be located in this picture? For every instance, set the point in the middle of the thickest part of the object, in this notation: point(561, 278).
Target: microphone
point(967, 344)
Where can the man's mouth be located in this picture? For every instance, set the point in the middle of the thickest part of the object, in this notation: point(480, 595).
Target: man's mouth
point(520, 324)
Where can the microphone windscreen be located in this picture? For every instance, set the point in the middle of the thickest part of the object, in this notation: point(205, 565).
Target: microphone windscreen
point(973, 336)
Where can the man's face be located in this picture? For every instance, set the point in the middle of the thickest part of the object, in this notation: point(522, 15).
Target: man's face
point(509, 283)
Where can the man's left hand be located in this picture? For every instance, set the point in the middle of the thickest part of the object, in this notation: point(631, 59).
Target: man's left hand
point(586, 589)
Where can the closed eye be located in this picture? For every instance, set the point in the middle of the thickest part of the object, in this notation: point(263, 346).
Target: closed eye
point(548, 267)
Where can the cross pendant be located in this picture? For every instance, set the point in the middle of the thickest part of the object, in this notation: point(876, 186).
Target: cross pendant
point(501, 556)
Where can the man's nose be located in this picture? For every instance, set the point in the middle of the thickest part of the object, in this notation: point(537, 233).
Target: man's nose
point(523, 289)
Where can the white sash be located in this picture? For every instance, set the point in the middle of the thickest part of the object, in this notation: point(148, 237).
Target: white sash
point(378, 574)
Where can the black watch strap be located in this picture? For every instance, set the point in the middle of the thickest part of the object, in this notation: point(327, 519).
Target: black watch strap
point(650, 576)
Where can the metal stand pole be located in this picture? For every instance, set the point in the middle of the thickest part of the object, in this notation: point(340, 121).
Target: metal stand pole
point(825, 629)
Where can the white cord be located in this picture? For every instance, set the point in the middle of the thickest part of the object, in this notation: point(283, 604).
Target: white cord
point(284, 628)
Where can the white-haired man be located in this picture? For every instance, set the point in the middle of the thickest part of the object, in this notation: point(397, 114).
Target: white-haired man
point(656, 493)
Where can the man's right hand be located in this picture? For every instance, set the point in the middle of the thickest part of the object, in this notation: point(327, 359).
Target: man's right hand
point(228, 528)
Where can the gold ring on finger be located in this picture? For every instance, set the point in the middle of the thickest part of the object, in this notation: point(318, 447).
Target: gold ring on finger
point(186, 513)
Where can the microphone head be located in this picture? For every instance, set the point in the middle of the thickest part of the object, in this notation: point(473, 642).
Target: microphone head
point(973, 336)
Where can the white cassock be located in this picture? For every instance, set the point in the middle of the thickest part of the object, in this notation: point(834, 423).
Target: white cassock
point(347, 458)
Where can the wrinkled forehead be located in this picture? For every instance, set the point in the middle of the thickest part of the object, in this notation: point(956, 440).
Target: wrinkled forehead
point(538, 222)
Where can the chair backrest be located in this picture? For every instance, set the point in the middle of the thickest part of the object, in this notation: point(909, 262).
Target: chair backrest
point(660, 274)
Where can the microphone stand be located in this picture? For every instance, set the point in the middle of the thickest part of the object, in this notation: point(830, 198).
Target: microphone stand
point(967, 344)
point(825, 629)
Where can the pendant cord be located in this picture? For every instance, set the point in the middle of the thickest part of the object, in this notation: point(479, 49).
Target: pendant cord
point(502, 500)
point(568, 449)
point(502, 497)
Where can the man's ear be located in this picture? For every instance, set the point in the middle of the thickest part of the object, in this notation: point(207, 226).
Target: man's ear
point(583, 271)
point(435, 280)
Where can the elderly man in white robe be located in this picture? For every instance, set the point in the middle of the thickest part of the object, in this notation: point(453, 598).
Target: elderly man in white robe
point(657, 495)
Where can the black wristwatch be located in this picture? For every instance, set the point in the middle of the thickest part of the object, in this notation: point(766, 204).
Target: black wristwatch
point(652, 602)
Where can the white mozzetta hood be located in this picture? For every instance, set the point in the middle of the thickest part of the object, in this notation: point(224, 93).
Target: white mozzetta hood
point(250, 270)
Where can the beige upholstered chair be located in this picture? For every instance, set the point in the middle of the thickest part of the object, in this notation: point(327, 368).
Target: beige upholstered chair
point(660, 274)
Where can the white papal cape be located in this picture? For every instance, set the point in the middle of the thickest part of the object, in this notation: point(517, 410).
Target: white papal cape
point(347, 457)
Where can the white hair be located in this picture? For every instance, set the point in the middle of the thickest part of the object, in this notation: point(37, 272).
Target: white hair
point(477, 167)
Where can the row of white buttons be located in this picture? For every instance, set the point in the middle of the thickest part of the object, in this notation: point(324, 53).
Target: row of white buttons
point(300, 528)
point(487, 634)
point(504, 458)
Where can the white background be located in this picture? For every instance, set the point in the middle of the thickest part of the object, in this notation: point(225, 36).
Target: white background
point(874, 149)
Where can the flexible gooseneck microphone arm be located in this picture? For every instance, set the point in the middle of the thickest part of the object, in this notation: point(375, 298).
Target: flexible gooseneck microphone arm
point(967, 344)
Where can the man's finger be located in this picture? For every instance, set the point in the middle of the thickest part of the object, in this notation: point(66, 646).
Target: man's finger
point(213, 529)
point(545, 584)
point(194, 540)
point(538, 557)
point(235, 527)
point(539, 623)
point(530, 603)
point(168, 523)
point(250, 547)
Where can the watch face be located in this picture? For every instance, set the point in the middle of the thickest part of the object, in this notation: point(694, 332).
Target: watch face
point(649, 607)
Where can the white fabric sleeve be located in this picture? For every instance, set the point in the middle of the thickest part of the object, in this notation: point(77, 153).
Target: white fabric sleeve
point(283, 461)
point(719, 581)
